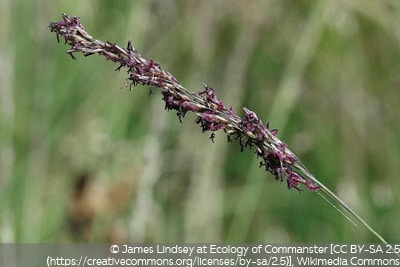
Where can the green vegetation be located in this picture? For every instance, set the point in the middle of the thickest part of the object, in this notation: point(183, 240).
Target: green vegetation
point(82, 158)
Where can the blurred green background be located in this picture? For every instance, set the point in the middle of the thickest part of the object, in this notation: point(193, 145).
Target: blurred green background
point(84, 159)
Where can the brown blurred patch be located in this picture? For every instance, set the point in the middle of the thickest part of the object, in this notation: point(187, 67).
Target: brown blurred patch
point(93, 200)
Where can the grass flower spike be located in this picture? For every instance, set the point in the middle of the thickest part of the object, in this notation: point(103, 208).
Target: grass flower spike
point(212, 114)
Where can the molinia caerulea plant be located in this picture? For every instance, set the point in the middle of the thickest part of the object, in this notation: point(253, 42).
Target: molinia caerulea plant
point(212, 114)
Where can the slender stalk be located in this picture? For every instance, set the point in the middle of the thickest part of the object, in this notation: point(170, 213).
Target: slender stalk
point(341, 203)
point(212, 114)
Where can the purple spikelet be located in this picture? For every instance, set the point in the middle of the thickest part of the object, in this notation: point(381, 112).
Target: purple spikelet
point(212, 114)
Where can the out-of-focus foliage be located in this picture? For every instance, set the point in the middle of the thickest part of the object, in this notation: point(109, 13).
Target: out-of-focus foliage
point(82, 158)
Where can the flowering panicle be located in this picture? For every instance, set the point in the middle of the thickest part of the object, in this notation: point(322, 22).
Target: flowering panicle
point(212, 114)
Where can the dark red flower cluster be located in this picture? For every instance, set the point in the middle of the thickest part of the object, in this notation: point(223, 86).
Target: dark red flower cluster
point(212, 114)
